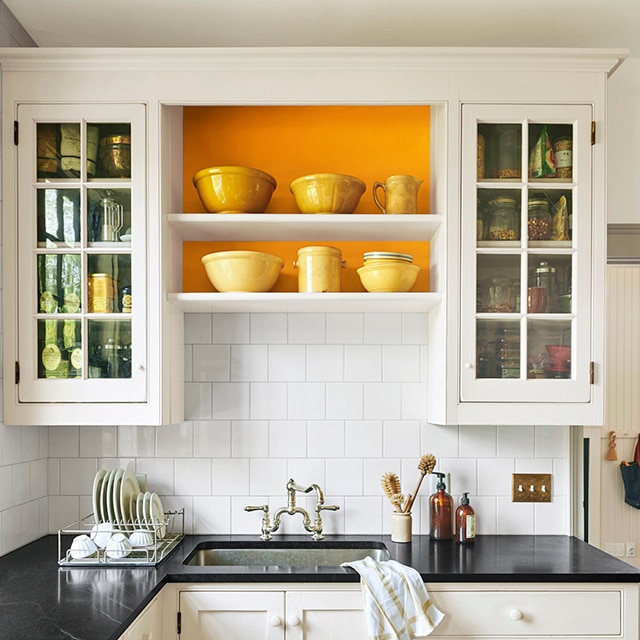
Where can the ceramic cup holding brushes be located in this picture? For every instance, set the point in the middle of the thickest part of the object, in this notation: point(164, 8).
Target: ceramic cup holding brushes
point(401, 521)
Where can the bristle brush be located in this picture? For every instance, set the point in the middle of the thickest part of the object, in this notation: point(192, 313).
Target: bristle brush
point(426, 465)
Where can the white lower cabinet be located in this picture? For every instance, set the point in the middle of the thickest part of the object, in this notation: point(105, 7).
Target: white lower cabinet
point(272, 615)
point(148, 625)
point(483, 610)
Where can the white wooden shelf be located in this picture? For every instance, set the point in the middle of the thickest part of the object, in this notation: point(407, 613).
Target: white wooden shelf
point(297, 226)
point(305, 302)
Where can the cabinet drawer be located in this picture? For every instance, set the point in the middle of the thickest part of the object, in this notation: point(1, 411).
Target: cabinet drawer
point(529, 613)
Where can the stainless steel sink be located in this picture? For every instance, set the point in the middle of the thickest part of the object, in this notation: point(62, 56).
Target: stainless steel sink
point(284, 554)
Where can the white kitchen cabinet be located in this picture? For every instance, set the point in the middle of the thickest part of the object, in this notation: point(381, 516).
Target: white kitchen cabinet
point(272, 615)
point(472, 610)
point(527, 265)
point(463, 91)
point(148, 625)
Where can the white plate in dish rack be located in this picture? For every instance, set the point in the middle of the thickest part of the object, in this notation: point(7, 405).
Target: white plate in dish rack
point(129, 489)
point(97, 485)
point(114, 497)
point(104, 488)
point(157, 515)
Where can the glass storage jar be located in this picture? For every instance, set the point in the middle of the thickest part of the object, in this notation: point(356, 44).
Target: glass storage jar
point(503, 219)
point(545, 277)
point(509, 152)
point(502, 295)
point(539, 217)
point(509, 351)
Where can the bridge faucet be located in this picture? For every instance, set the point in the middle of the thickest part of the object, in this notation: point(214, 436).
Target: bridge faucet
point(315, 529)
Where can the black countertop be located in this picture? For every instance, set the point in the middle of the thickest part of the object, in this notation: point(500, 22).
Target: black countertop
point(40, 600)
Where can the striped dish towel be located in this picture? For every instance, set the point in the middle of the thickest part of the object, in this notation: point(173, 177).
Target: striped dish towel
point(396, 602)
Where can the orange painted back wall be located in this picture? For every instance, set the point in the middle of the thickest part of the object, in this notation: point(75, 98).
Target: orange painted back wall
point(370, 142)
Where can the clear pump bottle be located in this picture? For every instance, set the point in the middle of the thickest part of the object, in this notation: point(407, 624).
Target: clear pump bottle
point(441, 511)
point(465, 521)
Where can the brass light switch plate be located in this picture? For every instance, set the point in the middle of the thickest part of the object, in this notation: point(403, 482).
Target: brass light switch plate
point(531, 487)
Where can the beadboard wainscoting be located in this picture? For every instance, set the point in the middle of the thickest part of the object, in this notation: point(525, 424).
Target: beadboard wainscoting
point(332, 399)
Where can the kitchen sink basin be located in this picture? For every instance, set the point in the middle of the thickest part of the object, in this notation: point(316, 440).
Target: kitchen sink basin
point(283, 554)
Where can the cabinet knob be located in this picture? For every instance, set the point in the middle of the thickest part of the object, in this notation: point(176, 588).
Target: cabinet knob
point(516, 614)
point(140, 367)
point(468, 365)
point(275, 621)
point(293, 621)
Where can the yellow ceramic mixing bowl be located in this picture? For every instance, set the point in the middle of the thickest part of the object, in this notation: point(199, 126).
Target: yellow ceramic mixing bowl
point(234, 189)
point(249, 271)
point(327, 193)
point(388, 276)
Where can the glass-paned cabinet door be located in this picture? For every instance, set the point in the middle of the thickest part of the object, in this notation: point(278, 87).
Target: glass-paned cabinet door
point(81, 242)
point(526, 254)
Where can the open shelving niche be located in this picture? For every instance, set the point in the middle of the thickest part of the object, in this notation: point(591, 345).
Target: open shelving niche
point(255, 227)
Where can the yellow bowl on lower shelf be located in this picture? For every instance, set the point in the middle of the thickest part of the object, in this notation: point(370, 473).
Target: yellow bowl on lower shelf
point(387, 275)
point(248, 271)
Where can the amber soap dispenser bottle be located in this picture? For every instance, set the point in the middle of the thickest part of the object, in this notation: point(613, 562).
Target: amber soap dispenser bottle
point(465, 521)
point(441, 511)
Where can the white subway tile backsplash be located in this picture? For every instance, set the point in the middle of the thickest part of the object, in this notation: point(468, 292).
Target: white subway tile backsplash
point(136, 442)
point(401, 439)
point(63, 510)
point(268, 328)
point(98, 442)
point(212, 514)
point(551, 518)
point(514, 443)
point(477, 442)
point(287, 363)
point(363, 515)
point(440, 441)
point(212, 438)
point(249, 363)
point(344, 400)
point(159, 472)
point(230, 477)
point(551, 442)
point(306, 471)
point(363, 438)
point(363, 363)
point(6, 482)
point(514, 518)
point(265, 475)
point(383, 328)
point(306, 328)
point(268, 401)
point(345, 328)
point(288, 439)
point(211, 363)
point(382, 400)
point(495, 476)
point(345, 477)
point(10, 444)
point(175, 442)
point(230, 328)
point(76, 476)
point(325, 439)
point(192, 477)
point(230, 401)
point(197, 328)
point(413, 401)
point(415, 328)
point(250, 439)
point(198, 400)
point(305, 400)
point(37, 479)
point(64, 442)
point(400, 363)
point(325, 363)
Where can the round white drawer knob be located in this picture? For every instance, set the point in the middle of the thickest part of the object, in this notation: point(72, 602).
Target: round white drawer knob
point(140, 367)
point(516, 614)
point(293, 621)
point(468, 365)
point(275, 621)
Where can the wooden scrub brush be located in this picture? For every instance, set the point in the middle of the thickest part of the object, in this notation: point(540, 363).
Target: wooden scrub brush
point(391, 486)
point(612, 453)
point(426, 465)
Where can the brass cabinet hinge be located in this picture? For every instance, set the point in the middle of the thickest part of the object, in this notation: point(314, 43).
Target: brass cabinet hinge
point(592, 369)
point(17, 372)
point(593, 132)
point(16, 128)
point(179, 623)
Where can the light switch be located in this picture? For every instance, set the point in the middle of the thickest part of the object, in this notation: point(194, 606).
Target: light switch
point(531, 487)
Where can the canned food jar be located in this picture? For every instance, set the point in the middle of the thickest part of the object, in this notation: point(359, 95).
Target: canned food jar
point(563, 149)
point(115, 156)
point(319, 269)
point(101, 293)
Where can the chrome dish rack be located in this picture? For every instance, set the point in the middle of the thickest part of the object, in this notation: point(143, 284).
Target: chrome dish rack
point(148, 556)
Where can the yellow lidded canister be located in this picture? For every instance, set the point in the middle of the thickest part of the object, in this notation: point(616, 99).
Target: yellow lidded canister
point(319, 269)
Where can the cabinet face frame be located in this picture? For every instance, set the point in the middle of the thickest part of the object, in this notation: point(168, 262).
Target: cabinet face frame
point(577, 389)
point(32, 387)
